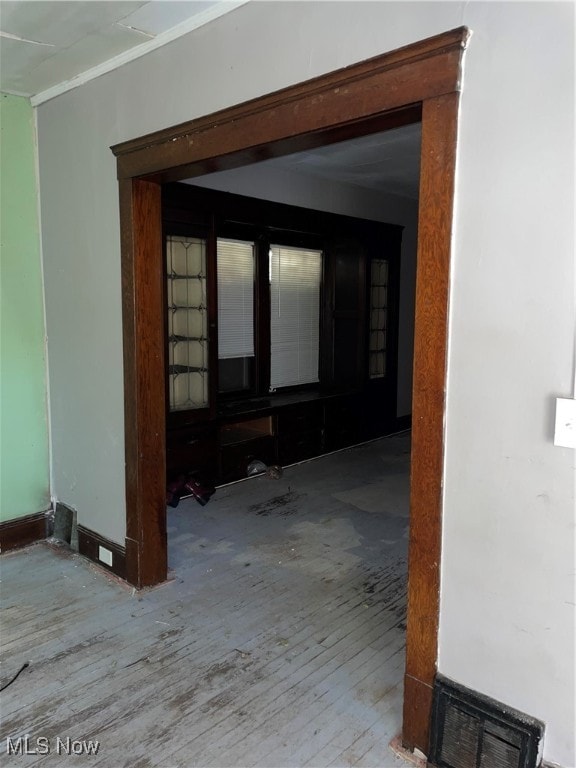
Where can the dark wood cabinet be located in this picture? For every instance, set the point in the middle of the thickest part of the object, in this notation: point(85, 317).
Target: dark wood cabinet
point(238, 410)
point(193, 449)
point(345, 422)
point(242, 442)
point(300, 432)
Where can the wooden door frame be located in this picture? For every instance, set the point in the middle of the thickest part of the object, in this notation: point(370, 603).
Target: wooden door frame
point(419, 81)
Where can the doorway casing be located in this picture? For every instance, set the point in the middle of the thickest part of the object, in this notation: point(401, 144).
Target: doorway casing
point(418, 82)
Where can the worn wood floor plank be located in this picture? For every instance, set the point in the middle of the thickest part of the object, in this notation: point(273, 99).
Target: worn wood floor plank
point(279, 640)
point(280, 678)
point(334, 741)
point(315, 709)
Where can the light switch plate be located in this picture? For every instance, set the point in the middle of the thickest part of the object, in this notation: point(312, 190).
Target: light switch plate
point(565, 427)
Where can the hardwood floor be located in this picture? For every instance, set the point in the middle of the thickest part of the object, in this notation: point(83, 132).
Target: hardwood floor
point(279, 640)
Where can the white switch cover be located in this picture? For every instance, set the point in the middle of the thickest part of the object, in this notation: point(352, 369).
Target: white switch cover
point(565, 428)
point(105, 556)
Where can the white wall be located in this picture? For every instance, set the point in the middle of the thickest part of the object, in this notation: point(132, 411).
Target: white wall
point(508, 568)
point(281, 185)
point(507, 602)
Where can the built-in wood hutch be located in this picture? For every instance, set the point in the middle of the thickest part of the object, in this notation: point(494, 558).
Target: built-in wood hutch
point(281, 331)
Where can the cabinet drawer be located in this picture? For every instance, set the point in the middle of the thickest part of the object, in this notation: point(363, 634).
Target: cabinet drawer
point(234, 459)
point(189, 452)
point(188, 435)
point(337, 437)
point(298, 419)
point(293, 448)
point(344, 423)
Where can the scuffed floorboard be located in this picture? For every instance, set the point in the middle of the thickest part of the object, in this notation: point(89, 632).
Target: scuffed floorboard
point(279, 640)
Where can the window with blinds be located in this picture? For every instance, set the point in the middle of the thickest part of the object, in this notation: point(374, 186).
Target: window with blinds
point(235, 270)
point(295, 278)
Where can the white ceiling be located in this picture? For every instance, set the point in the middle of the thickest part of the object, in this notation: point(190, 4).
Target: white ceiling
point(387, 162)
point(384, 162)
point(47, 47)
point(46, 44)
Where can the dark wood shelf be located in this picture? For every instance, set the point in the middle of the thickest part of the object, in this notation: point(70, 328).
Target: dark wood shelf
point(245, 431)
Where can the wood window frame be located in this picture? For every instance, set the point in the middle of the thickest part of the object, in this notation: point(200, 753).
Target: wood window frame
point(417, 82)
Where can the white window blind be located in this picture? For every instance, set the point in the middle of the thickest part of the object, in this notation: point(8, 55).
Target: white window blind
point(235, 260)
point(295, 275)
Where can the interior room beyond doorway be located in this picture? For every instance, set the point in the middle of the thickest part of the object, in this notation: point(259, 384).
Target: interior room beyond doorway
point(356, 203)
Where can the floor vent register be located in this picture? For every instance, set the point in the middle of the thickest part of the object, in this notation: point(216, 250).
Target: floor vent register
point(472, 731)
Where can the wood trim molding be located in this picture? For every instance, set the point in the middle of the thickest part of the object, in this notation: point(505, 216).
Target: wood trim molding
point(438, 160)
point(391, 81)
point(144, 381)
point(417, 81)
point(88, 545)
point(22, 531)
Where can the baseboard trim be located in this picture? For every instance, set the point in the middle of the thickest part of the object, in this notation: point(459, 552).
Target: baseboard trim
point(88, 545)
point(22, 531)
point(403, 422)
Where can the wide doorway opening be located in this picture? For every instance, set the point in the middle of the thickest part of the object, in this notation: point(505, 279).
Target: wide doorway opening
point(359, 100)
point(305, 564)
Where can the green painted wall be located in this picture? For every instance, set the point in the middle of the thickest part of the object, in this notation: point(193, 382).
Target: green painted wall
point(24, 473)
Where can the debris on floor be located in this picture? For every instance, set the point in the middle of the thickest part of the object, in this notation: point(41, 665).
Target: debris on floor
point(188, 486)
point(257, 467)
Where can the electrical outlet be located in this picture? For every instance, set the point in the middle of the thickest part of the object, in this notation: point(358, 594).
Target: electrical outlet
point(105, 556)
point(565, 427)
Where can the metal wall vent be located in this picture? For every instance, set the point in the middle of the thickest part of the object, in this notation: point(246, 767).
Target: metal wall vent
point(472, 731)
